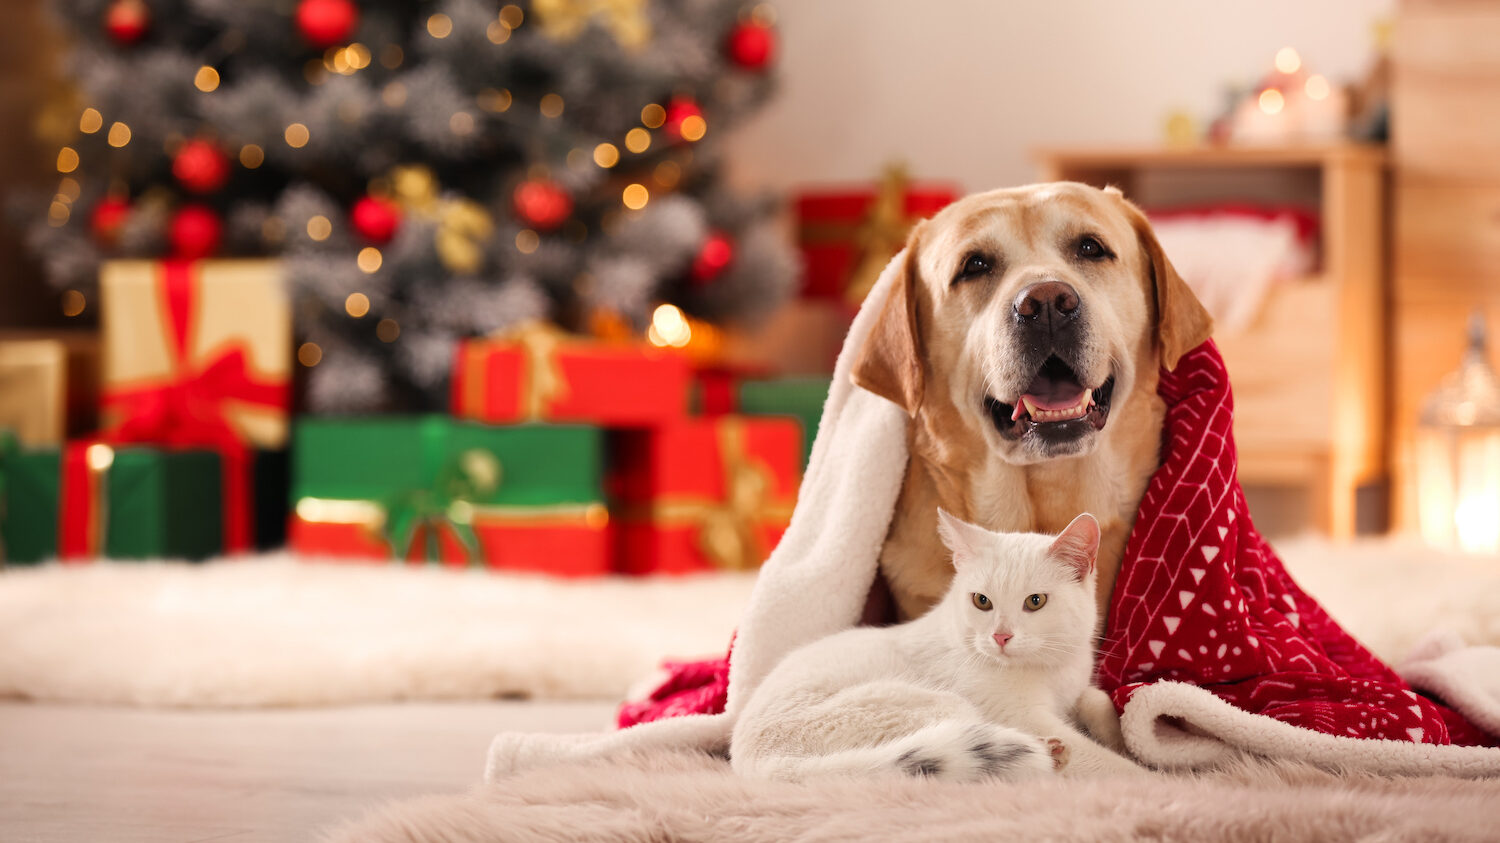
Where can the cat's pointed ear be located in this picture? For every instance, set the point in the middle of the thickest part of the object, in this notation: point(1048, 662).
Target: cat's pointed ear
point(965, 540)
point(1077, 546)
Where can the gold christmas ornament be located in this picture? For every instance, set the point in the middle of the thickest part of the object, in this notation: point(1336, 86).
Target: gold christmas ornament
point(565, 20)
point(1180, 129)
point(463, 224)
point(415, 188)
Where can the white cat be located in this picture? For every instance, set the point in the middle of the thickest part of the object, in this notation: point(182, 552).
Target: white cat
point(985, 685)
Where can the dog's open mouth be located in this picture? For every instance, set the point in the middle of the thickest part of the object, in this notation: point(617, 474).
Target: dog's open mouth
point(1055, 405)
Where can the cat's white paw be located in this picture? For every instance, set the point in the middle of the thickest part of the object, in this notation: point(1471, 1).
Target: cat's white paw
point(1059, 752)
point(971, 752)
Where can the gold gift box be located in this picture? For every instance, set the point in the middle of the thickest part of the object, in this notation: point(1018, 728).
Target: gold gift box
point(49, 384)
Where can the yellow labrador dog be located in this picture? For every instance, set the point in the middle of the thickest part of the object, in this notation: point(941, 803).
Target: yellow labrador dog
point(1025, 339)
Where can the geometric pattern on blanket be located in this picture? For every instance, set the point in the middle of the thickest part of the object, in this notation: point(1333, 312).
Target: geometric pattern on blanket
point(1201, 598)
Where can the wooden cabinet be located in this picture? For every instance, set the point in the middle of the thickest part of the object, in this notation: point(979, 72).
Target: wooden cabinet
point(1445, 148)
point(1309, 374)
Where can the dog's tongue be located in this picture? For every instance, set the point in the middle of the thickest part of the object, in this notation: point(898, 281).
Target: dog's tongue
point(1053, 394)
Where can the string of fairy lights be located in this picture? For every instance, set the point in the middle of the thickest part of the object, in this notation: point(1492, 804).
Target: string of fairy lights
point(676, 122)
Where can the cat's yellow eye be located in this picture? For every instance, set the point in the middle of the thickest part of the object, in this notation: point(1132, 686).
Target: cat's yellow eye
point(1034, 602)
point(982, 603)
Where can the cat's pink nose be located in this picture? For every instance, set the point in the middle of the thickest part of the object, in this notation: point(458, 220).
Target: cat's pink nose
point(1002, 638)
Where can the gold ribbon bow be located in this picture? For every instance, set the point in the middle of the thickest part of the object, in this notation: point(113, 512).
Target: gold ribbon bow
point(880, 235)
point(730, 534)
point(565, 20)
point(730, 531)
point(462, 224)
point(542, 379)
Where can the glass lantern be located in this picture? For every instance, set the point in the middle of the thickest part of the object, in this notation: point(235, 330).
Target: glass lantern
point(1458, 454)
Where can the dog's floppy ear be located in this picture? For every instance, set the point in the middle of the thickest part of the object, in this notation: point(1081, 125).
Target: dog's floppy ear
point(1182, 324)
point(890, 363)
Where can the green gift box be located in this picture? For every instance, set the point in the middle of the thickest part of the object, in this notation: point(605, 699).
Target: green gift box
point(29, 526)
point(434, 488)
point(91, 500)
point(28, 503)
point(799, 397)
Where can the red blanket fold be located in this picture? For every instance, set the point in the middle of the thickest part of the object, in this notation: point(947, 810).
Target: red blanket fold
point(1201, 598)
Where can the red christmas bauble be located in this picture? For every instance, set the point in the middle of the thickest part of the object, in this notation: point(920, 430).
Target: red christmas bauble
point(107, 217)
point(678, 110)
point(714, 256)
point(194, 232)
point(751, 45)
point(375, 219)
point(542, 204)
point(126, 21)
point(200, 166)
point(324, 23)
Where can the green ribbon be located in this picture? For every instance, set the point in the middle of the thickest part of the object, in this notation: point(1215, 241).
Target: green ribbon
point(447, 506)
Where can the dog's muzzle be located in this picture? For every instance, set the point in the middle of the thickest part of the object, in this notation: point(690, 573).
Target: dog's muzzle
point(1055, 406)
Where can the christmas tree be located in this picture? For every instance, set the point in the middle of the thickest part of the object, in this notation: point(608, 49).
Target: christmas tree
point(427, 170)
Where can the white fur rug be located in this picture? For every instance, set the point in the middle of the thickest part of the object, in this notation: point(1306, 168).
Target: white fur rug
point(691, 796)
point(272, 631)
point(275, 632)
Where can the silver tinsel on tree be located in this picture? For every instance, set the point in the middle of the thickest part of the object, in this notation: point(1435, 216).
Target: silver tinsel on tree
point(551, 158)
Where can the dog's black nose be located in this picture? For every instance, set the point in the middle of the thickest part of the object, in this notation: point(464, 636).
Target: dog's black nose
point(1041, 302)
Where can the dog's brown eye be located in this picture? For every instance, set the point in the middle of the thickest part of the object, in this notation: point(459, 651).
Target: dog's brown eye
point(974, 265)
point(1091, 249)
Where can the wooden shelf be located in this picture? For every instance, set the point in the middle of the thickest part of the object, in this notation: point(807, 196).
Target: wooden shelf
point(1307, 155)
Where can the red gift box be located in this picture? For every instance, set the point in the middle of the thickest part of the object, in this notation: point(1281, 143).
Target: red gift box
point(704, 494)
point(539, 373)
point(847, 236)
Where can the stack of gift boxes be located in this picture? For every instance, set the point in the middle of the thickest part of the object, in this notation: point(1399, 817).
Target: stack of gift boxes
point(188, 458)
point(560, 454)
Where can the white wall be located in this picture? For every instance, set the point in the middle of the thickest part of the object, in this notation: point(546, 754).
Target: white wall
point(963, 90)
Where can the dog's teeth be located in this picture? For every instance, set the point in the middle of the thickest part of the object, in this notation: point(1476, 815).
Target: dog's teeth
point(1077, 411)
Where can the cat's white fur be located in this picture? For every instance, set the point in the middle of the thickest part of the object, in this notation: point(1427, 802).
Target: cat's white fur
point(940, 696)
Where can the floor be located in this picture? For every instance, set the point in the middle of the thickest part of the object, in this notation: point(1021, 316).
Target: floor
point(81, 773)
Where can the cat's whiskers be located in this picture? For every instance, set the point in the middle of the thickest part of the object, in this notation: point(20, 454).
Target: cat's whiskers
point(1105, 646)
